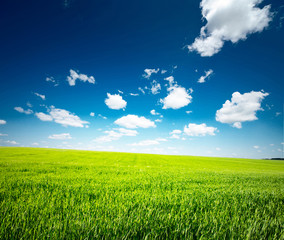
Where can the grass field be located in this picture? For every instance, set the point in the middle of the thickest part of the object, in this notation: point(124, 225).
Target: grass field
point(66, 194)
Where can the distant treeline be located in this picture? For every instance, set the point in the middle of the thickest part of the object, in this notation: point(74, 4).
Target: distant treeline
point(274, 158)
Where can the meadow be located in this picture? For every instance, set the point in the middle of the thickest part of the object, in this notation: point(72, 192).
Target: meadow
point(69, 194)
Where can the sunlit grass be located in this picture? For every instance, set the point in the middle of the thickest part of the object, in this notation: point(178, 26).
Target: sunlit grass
point(65, 194)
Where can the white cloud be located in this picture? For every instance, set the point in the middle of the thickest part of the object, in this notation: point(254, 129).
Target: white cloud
point(92, 114)
point(44, 117)
point(188, 112)
point(62, 136)
point(3, 135)
point(199, 130)
point(115, 101)
point(50, 79)
point(120, 91)
point(161, 139)
point(178, 97)
point(278, 114)
point(158, 120)
point(61, 116)
point(134, 121)
point(218, 149)
point(175, 136)
point(40, 95)
point(66, 118)
point(156, 87)
point(21, 110)
point(134, 94)
point(116, 134)
point(241, 108)
point(149, 142)
point(29, 104)
point(81, 77)
point(148, 72)
point(153, 112)
point(170, 79)
point(256, 147)
point(12, 142)
point(176, 131)
point(207, 75)
point(229, 20)
point(103, 117)
point(163, 71)
point(141, 89)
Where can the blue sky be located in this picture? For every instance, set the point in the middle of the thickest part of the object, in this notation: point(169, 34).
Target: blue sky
point(88, 75)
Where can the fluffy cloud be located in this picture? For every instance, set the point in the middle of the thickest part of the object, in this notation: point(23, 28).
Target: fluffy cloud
point(241, 108)
point(2, 122)
point(116, 134)
point(21, 110)
point(40, 95)
point(61, 116)
point(207, 75)
point(156, 87)
point(92, 114)
point(199, 130)
point(178, 97)
point(133, 121)
point(44, 117)
point(115, 101)
point(62, 136)
point(170, 79)
point(229, 20)
point(81, 77)
point(148, 72)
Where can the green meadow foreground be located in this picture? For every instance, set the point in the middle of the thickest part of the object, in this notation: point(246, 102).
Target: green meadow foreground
point(66, 194)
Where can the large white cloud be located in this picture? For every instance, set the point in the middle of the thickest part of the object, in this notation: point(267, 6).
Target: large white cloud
point(241, 108)
point(199, 130)
point(116, 134)
point(148, 72)
point(229, 20)
point(134, 121)
point(21, 110)
point(81, 77)
point(115, 101)
point(62, 116)
point(178, 97)
point(62, 136)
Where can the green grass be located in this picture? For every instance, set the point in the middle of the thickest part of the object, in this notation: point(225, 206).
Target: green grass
point(66, 194)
